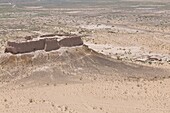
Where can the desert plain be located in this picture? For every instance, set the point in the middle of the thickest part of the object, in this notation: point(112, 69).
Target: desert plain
point(123, 66)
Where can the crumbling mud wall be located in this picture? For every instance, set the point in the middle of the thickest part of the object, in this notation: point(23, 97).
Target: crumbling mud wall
point(25, 47)
point(71, 41)
point(48, 35)
point(51, 44)
point(47, 44)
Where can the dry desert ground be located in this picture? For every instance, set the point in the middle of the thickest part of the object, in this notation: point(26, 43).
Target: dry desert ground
point(122, 67)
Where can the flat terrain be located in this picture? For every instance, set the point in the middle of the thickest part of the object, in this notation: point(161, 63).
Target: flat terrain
point(124, 67)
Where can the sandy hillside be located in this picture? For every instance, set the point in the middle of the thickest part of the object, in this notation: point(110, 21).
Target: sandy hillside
point(55, 86)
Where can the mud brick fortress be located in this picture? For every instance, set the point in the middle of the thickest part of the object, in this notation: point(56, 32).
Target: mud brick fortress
point(45, 42)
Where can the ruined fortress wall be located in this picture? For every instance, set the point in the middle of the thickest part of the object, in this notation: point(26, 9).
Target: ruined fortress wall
point(25, 47)
point(69, 42)
point(48, 35)
point(11, 50)
point(47, 44)
point(38, 45)
point(51, 44)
